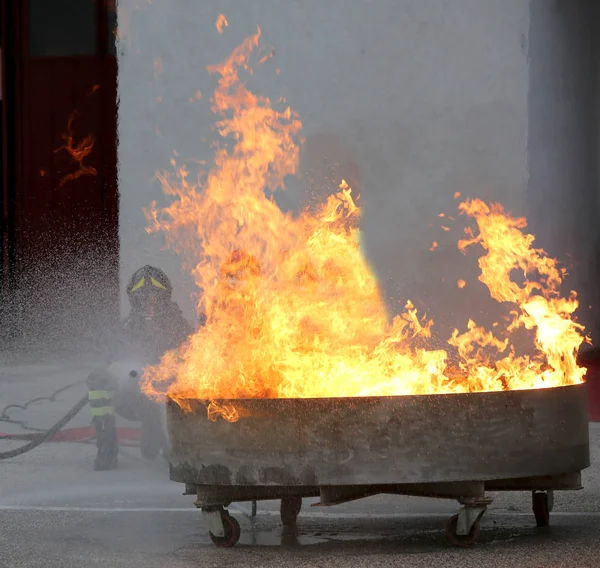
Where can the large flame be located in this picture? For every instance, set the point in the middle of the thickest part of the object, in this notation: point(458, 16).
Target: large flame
point(293, 308)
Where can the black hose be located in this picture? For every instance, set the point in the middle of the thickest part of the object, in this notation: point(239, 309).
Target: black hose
point(41, 438)
point(4, 417)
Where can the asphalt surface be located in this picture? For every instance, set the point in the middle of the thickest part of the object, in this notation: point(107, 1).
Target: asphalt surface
point(55, 511)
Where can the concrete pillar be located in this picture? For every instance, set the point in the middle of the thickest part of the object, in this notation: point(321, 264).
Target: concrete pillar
point(562, 149)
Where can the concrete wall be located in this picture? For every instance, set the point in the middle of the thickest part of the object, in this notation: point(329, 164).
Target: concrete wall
point(411, 100)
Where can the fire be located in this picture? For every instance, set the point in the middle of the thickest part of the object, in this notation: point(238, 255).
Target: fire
point(293, 309)
point(78, 151)
point(221, 23)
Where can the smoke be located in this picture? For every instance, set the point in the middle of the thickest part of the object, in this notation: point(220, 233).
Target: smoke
point(410, 118)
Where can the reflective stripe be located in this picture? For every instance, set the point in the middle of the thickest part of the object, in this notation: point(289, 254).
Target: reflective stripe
point(98, 394)
point(138, 285)
point(103, 411)
point(100, 403)
point(157, 284)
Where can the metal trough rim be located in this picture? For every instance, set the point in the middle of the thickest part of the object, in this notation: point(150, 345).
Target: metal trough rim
point(253, 400)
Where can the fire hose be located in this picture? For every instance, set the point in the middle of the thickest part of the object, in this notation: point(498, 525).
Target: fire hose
point(38, 436)
point(41, 437)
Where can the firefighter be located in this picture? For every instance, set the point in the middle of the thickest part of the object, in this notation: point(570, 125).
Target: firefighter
point(154, 326)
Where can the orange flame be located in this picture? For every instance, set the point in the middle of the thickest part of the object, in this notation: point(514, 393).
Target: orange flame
point(293, 308)
point(78, 151)
point(226, 411)
point(221, 23)
point(197, 96)
point(268, 55)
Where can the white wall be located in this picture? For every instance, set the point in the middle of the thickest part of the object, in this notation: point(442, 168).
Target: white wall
point(413, 99)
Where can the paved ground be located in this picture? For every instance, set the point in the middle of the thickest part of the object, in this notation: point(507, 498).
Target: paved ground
point(55, 511)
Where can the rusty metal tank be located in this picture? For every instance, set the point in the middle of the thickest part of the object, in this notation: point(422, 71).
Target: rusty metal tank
point(457, 446)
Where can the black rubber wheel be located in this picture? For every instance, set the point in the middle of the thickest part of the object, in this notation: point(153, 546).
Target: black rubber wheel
point(541, 509)
point(461, 540)
point(232, 532)
point(290, 509)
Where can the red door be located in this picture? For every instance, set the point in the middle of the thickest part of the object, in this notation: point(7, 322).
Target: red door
point(66, 198)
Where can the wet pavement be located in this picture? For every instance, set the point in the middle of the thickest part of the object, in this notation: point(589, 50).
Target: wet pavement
point(55, 511)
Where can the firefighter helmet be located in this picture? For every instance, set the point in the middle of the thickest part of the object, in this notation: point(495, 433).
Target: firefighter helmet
point(149, 289)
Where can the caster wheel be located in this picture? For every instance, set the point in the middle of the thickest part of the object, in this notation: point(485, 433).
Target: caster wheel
point(541, 509)
point(459, 539)
point(232, 533)
point(290, 508)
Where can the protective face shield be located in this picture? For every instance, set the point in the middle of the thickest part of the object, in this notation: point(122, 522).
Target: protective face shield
point(145, 304)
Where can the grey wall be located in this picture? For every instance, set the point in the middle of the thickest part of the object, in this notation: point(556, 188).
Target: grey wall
point(412, 100)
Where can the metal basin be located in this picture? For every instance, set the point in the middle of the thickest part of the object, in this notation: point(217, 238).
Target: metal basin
point(383, 440)
point(453, 446)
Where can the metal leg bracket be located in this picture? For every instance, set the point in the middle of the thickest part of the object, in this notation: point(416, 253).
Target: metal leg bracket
point(550, 493)
point(213, 520)
point(471, 511)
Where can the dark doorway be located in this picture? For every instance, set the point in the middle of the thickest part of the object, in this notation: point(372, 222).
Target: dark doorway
point(60, 187)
